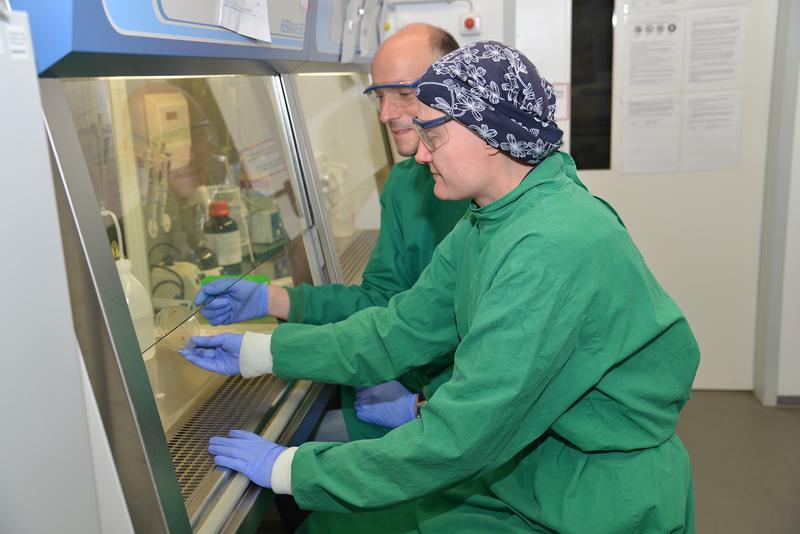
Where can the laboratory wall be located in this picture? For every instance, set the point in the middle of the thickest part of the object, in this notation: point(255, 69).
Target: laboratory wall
point(692, 192)
point(699, 230)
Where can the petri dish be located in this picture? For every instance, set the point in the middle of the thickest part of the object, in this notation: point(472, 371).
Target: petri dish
point(175, 329)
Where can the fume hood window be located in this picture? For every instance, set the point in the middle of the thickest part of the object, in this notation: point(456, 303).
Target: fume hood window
point(194, 183)
point(352, 168)
point(592, 51)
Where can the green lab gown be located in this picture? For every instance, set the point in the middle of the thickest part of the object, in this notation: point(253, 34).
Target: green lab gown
point(570, 369)
point(413, 222)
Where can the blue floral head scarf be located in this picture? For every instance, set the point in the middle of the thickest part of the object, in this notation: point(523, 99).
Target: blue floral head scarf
point(498, 93)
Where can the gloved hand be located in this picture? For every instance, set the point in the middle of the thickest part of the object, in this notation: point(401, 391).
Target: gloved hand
point(219, 354)
point(230, 301)
point(248, 453)
point(388, 404)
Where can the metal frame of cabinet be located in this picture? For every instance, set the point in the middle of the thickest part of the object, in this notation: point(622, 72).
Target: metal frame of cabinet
point(112, 355)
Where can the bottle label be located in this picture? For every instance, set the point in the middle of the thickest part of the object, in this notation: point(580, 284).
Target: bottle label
point(227, 247)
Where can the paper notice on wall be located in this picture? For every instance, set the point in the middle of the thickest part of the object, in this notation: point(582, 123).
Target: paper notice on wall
point(246, 17)
point(18, 46)
point(651, 132)
point(639, 6)
point(705, 4)
point(265, 166)
point(711, 130)
point(350, 30)
point(562, 101)
point(715, 49)
point(251, 122)
point(653, 5)
point(655, 53)
point(683, 72)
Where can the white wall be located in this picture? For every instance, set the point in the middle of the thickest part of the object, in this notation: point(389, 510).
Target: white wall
point(789, 344)
point(446, 14)
point(700, 232)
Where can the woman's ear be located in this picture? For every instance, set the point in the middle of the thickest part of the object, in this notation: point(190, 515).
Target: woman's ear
point(490, 150)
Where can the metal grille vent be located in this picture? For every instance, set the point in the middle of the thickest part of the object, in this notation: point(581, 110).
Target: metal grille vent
point(356, 256)
point(234, 404)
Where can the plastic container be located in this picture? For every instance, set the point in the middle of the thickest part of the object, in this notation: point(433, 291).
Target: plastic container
point(343, 218)
point(339, 201)
point(141, 310)
point(262, 209)
point(139, 305)
point(175, 329)
point(222, 236)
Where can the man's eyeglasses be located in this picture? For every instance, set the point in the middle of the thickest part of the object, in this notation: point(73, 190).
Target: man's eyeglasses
point(431, 132)
point(400, 95)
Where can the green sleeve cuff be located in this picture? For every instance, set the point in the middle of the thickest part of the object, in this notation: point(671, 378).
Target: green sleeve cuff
point(302, 477)
point(297, 305)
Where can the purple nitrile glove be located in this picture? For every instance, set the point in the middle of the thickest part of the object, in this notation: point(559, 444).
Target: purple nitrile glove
point(231, 301)
point(248, 453)
point(219, 353)
point(389, 404)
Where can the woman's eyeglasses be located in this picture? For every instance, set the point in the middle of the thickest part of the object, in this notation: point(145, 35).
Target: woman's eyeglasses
point(431, 132)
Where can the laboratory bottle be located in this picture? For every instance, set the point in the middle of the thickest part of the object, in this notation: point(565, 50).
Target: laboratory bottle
point(222, 236)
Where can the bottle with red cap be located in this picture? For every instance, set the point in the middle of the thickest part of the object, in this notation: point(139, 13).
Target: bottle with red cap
point(222, 236)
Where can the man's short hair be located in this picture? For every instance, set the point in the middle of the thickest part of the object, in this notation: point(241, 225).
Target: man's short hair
point(442, 42)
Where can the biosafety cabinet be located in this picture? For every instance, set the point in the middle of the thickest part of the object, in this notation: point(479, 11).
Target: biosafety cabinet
point(184, 152)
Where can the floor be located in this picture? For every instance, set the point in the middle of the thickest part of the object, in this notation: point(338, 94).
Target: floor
point(746, 461)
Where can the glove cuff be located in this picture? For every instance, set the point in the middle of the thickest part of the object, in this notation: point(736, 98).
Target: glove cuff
point(281, 477)
point(411, 405)
point(263, 295)
point(255, 355)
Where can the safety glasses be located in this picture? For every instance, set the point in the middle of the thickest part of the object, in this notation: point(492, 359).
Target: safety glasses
point(400, 95)
point(431, 132)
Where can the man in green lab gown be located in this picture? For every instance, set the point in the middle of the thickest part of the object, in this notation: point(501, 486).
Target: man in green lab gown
point(413, 222)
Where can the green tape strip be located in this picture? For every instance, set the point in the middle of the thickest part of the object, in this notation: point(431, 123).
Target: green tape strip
point(259, 278)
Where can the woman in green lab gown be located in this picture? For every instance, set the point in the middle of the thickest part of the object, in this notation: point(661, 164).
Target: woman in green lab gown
point(571, 362)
